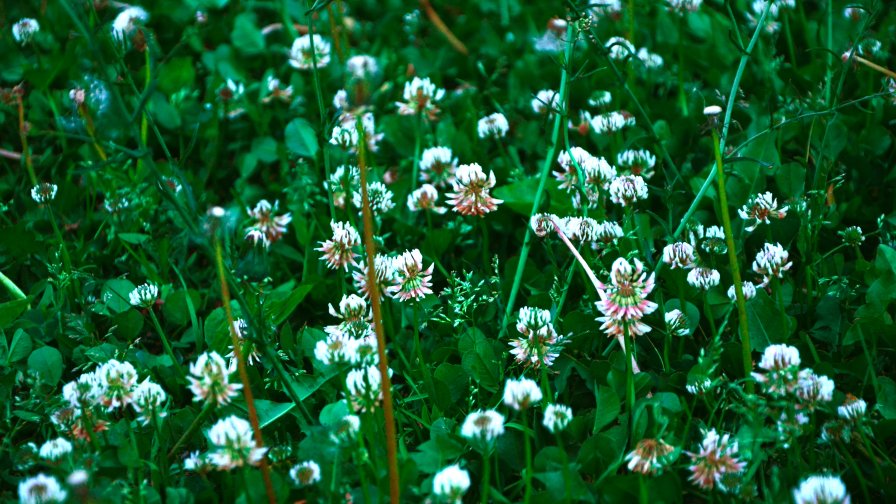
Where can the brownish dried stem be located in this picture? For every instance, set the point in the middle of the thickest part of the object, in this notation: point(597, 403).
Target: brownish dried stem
point(875, 66)
point(8, 154)
point(302, 29)
point(334, 33)
point(23, 136)
point(442, 27)
point(374, 292)
point(244, 376)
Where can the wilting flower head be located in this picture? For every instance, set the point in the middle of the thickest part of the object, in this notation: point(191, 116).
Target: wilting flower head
point(522, 393)
point(748, 288)
point(425, 198)
point(24, 29)
point(362, 66)
point(471, 191)
point(276, 91)
point(364, 389)
point(118, 380)
point(343, 181)
point(624, 301)
point(682, 7)
point(268, 228)
point(338, 251)
point(582, 229)
point(676, 323)
point(781, 363)
point(853, 408)
point(41, 489)
point(43, 193)
point(611, 122)
point(451, 483)
point(556, 417)
point(771, 261)
point(852, 235)
point(437, 166)
point(305, 473)
point(411, 281)
point(420, 97)
point(545, 101)
point(234, 444)
point(821, 489)
point(539, 343)
point(149, 398)
point(627, 189)
point(759, 209)
point(483, 425)
point(128, 20)
point(637, 162)
point(383, 270)
point(210, 380)
point(301, 55)
point(703, 278)
point(494, 125)
point(649, 456)
point(542, 223)
point(813, 389)
point(716, 459)
point(379, 195)
point(144, 296)
point(679, 255)
point(55, 449)
point(248, 350)
point(619, 48)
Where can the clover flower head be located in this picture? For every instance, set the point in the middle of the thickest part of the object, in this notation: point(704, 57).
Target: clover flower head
point(623, 301)
point(41, 489)
point(703, 278)
point(813, 389)
point(384, 272)
point(364, 389)
point(545, 101)
point(542, 224)
point(411, 280)
point(336, 347)
point(608, 232)
point(268, 227)
point(248, 350)
point(234, 445)
point(637, 162)
point(748, 288)
point(759, 209)
point(144, 295)
point(771, 261)
point(338, 251)
point(649, 456)
point(210, 379)
point(582, 229)
point(118, 381)
point(521, 394)
point(716, 459)
point(149, 399)
point(127, 21)
point(698, 385)
point(483, 425)
point(344, 180)
point(853, 408)
point(362, 66)
point(303, 57)
point(55, 449)
point(627, 190)
point(437, 166)
point(679, 255)
point(493, 125)
point(420, 97)
point(425, 197)
point(611, 122)
point(651, 61)
point(43, 193)
point(379, 195)
point(781, 363)
point(556, 417)
point(619, 48)
point(568, 176)
point(821, 489)
point(539, 344)
point(451, 483)
point(346, 429)
point(471, 191)
point(305, 473)
point(276, 91)
point(676, 322)
point(24, 30)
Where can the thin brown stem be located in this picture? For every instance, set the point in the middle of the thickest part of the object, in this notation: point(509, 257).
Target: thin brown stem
point(23, 134)
point(870, 64)
point(442, 27)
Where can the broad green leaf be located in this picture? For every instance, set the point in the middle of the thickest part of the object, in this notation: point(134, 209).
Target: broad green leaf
point(10, 311)
point(47, 363)
point(301, 138)
point(19, 348)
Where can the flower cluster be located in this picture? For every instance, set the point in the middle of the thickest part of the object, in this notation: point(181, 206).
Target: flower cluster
point(233, 444)
point(649, 457)
point(493, 126)
point(338, 251)
point(420, 97)
point(759, 209)
point(210, 379)
point(471, 191)
point(268, 227)
point(716, 459)
point(539, 344)
point(623, 301)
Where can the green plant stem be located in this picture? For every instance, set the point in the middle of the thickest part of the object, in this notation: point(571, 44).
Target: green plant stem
point(166, 344)
point(373, 290)
point(682, 99)
point(144, 121)
point(628, 348)
point(11, 287)
point(791, 52)
point(207, 408)
point(542, 182)
point(527, 446)
point(135, 473)
point(746, 351)
point(418, 146)
point(486, 469)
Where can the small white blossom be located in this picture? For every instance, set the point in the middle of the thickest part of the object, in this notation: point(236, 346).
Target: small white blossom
point(494, 126)
point(40, 489)
point(420, 97)
point(234, 444)
point(144, 296)
point(679, 255)
point(627, 189)
point(703, 278)
point(521, 394)
point(557, 417)
point(362, 66)
point(127, 20)
point(852, 409)
point(210, 379)
point(611, 122)
point(301, 55)
point(545, 101)
point(451, 483)
point(483, 425)
point(676, 323)
point(43, 193)
point(55, 449)
point(748, 288)
point(821, 489)
point(305, 473)
point(364, 389)
point(619, 48)
point(24, 29)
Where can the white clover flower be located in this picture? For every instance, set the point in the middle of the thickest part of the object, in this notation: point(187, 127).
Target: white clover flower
point(43, 193)
point(676, 323)
point(649, 456)
point(679, 255)
point(483, 425)
point(340, 99)
point(651, 61)
point(542, 224)
point(771, 261)
point(611, 122)
point(337, 347)
point(712, 110)
point(627, 190)
point(346, 429)
point(703, 278)
point(451, 483)
point(77, 478)
point(682, 7)
point(539, 343)
point(127, 20)
point(338, 251)
point(86, 391)
point(556, 417)
point(305, 473)
point(425, 198)
point(759, 208)
point(494, 126)
point(638, 162)
point(698, 385)
point(583, 229)
point(813, 389)
point(472, 188)
point(301, 55)
point(545, 101)
point(600, 99)
point(234, 444)
point(852, 409)
point(379, 195)
point(41, 489)
point(362, 66)
point(821, 489)
point(438, 166)
point(748, 288)
point(779, 357)
point(210, 380)
point(781, 363)
point(420, 97)
point(24, 29)
point(119, 381)
point(717, 457)
point(522, 393)
point(55, 449)
point(276, 91)
point(149, 399)
point(144, 296)
point(364, 388)
point(609, 232)
point(619, 48)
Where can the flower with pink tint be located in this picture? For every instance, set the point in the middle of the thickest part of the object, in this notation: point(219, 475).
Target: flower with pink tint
point(679, 255)
point(627, 190)
point(210, 379)
point(471, 191)
point(425, 198)
point(759, 209)
point(268, 228)
point(771, 261)
point(383, 270)
point(339, 251)
point(540, 344)
point(437, 166)
point(624, 301)
point(411, 281)
point(649, 456)
point(716, 458)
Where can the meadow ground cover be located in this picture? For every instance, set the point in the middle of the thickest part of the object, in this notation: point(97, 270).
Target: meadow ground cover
point(495, 251)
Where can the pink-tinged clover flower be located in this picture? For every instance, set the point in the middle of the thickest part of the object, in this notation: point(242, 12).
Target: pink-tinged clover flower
point(210, 379)
point(679, 255)
point(268, 228)
point(383, 270)
point(425, 198)
point(716, 458)
point(411, 281)
point(649, 456)
point(759, 209)
point(624, 300)
point(420, 97)
point(339, 250)
point(540, 344)
point(471, 191)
